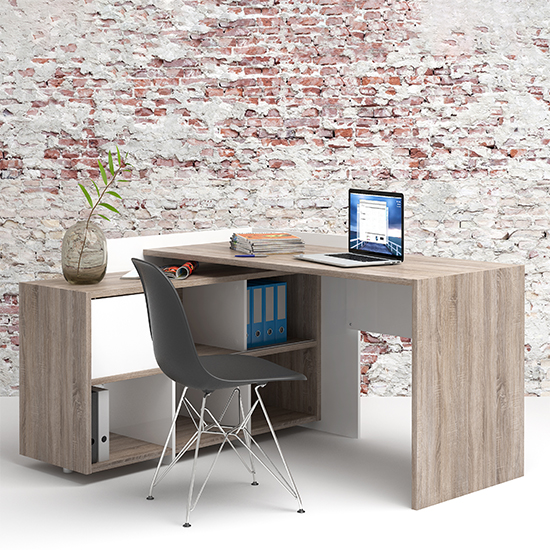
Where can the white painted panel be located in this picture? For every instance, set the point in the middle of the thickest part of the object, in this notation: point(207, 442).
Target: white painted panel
point(379, 307)
point(322, 239)
point(142, 408)
point(121, 340)
point(217, 317)
point(340, 375)
point(217, 314)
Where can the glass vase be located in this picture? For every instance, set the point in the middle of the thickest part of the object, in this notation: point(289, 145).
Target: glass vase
point(84, 254)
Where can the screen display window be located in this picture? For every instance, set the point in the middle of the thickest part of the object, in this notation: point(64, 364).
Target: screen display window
point(376, 224)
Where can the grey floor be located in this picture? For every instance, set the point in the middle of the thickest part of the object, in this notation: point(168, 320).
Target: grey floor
point(354, 492)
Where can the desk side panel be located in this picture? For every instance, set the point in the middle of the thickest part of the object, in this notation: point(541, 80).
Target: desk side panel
point(467, 383)
point(55, 400)
point(510, 383)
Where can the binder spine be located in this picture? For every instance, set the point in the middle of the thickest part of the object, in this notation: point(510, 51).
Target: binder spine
point(280, 313)
point(269, 318)
point(248, 316)
point(100, 424)
point(257, 316)
point(94, 426)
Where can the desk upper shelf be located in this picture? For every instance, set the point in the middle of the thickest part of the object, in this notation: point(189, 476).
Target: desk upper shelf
point(113, 285)
point(414, 268)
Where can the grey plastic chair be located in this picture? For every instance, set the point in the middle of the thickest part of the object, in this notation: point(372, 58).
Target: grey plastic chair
point(177, 357)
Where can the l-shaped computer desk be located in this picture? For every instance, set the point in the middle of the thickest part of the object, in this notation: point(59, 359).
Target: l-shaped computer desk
point(465, 318)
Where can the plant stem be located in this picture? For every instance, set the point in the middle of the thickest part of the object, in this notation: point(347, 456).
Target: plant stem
point(90, 217)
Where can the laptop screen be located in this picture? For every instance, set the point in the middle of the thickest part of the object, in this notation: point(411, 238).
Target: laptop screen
point(376, 223)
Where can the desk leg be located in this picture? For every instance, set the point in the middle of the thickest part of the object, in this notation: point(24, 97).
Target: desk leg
point(468, 383)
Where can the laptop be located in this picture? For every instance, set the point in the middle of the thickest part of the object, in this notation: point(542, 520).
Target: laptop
point(375, 231)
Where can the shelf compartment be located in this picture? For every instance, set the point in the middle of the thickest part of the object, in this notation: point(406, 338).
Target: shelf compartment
point(125, 450)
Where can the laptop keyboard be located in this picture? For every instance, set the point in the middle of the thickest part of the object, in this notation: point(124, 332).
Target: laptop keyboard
point(356, 257)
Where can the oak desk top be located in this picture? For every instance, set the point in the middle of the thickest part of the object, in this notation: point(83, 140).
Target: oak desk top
point(219, 264)
point(414, 268)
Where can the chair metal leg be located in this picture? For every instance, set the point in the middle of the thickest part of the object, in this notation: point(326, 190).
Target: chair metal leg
point(285, 481)
point(170, 432)
point(291, 479)
point(193, 471)
point(247, 439)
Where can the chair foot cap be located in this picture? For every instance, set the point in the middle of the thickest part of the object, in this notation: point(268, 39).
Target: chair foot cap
point(301, 511)
point(254, 483)
point(150, 497)
point(187, 525)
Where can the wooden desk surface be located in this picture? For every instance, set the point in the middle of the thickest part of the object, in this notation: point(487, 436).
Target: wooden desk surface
point(218, 258)
point(113, 285)
point(414, 268)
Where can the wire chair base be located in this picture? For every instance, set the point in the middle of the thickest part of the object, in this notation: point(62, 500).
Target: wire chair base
point(231, 434)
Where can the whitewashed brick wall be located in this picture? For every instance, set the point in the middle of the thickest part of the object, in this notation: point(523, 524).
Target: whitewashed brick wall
point(238, 112)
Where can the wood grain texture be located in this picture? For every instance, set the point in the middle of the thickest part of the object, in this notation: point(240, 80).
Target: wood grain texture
point(415, 267)
point(55, 403)
point(467, 383)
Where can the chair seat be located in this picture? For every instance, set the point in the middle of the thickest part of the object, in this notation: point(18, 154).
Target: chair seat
point(239, 370)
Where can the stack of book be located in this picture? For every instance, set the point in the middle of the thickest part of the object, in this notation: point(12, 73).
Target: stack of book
point(266, 243)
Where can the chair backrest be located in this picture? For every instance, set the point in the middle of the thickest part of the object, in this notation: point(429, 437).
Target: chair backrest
point(173, 343)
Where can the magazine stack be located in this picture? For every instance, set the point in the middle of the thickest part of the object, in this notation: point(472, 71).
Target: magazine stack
point(266, 243)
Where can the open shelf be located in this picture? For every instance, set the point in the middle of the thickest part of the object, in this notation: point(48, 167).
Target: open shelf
point(127, 450)
point(294, 344)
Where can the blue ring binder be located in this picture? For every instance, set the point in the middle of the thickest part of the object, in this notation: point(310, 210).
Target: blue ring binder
point(266, 308)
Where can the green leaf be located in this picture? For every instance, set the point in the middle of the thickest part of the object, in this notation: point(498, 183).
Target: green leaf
point(96, 188)
point(111, 165)
point(123, 181)
point(103, 173)
point(115, 194)
point(104, 217)
point(119, 157)
point(109, 207)
point(87, 195)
